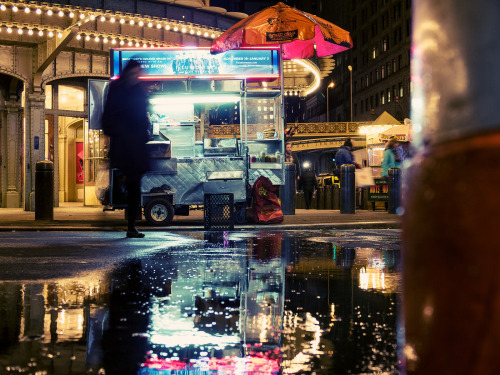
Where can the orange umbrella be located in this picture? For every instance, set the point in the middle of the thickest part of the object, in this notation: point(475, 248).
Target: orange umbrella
point(296, 31)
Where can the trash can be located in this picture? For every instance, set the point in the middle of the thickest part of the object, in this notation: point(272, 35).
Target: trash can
point(288, 190)
point(44, 190)
point(218, 211)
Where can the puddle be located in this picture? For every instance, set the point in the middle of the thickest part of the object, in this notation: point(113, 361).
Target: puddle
point(295, 302)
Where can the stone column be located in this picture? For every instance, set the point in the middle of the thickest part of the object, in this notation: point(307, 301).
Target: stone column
point(452, 195)
point(34, 144)
point(12, 158)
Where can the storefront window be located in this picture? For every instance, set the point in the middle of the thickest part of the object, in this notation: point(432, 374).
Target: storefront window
point(71, 98)
point(48, 96)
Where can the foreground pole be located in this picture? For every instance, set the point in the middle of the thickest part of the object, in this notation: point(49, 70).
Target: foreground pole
point(451, 197)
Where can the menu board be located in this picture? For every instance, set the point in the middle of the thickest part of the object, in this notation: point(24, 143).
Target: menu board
point(160, 63)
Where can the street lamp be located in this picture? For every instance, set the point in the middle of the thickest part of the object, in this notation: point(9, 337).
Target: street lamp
point(331, 85)
point(350, 73)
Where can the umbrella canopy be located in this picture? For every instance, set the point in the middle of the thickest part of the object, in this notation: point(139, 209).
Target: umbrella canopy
point(298, 32)
point(401, 132)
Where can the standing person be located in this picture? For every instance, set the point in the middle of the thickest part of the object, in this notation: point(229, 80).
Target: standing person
point(290, 157)
point(390, 157)
point(308, 183)
point(125, 120)
point(344, 156)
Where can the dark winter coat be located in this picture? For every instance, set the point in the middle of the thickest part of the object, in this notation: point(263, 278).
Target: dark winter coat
point(125, 120)
point(308, 181)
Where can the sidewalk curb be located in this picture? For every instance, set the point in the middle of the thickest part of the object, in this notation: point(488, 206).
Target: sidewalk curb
point(89, 228)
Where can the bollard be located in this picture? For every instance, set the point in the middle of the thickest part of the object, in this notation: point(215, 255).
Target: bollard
point(336, 197)
point(288, 190)
point(328, 197)
point(44, 190)
point(394, 190)
point(347, 189)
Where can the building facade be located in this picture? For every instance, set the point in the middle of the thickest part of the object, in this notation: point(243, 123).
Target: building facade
point(379, 77)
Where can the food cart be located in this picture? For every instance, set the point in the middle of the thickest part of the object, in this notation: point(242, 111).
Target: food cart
point(216, 127)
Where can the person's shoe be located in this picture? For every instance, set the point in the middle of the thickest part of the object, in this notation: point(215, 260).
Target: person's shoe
point(134, 234)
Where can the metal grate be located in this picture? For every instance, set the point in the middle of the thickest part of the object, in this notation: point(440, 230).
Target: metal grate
point(219, 211)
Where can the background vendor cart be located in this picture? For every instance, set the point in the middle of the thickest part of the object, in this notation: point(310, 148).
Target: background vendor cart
point(215, 122)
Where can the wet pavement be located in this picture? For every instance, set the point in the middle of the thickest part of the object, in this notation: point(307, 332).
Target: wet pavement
point(243, 302)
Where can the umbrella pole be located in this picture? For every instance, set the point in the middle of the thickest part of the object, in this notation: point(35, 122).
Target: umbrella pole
point(282, 77)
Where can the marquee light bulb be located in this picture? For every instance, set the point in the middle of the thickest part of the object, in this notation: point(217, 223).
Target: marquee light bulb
point(38, 11)
point(15, 9)
point(49, 12)
point(61, 13)
point(27, 10)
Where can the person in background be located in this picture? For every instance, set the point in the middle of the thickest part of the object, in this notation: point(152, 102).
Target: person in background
point(390, 157)
point(290, 157)
point(308, 183)
point(344, 156)
point(126, 122)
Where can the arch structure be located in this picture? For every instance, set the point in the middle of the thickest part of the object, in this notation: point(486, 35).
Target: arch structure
point(52, 46)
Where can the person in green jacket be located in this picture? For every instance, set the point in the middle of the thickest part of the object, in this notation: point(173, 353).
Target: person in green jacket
point(389, 161)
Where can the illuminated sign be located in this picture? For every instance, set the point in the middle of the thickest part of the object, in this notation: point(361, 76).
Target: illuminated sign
point(160, 63)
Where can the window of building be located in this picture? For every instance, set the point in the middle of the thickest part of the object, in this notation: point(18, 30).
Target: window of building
point(48, 96)
point(401, 90)
point(397, 11)
point(394, 93)
point(385, 20)
point(374, 53)
point(374, 6)
point(364, 15)
point(388, 69)
point(371, 78)
point(377, 75)
point(397, 35)
point(71, 98)
point(400, 62)
point(374, 28)
point(376, 100)
point(388, 95)
point(355, 109)
point(394, 66)
point(382, 97)
point(385, 44)
point(371, 101)
point(364, 36)
point(366, 80)
point(382, 72)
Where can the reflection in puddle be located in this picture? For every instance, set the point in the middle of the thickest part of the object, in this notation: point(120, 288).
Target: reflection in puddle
point(220, 303)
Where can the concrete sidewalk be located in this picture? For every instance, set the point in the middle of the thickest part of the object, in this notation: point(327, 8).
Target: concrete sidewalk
point(74, 216)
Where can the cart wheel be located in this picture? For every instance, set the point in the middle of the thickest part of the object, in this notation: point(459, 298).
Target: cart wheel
point(240, 214)
point(159, 212)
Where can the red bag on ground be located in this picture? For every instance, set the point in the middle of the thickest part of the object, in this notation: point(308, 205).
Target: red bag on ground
point(266, 204)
